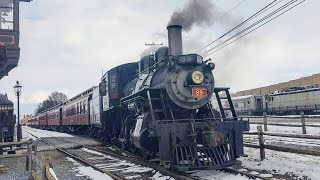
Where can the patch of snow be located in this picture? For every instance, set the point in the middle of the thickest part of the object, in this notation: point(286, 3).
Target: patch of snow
point(96, 158)
point(283, 163)
point(73, 161)
point(53, 173)
point(284, 140)
point(296, 116)
point(243, 170)
point(92, 152)
point(159, 176)
point(116, 164)
point(26, 135)
point(254, 173)
point(89, 171)
point(138, 169)
point(113, 149)
point(97, 153)
point(44, 133)
point(131, 177)
point(217, 175)
point(266, 175)
point(285, 129)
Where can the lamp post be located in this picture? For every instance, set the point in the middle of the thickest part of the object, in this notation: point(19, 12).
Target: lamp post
point(17, 91)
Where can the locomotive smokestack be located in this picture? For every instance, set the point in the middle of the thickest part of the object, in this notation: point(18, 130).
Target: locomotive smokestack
point(175, 40)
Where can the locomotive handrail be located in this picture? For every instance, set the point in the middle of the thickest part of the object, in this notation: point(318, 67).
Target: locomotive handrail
point(135, 94)
point(153, 66)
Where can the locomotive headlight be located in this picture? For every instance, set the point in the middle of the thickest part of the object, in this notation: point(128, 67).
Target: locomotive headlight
point(197, 77)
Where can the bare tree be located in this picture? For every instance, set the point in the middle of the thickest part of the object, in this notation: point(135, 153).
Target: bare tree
point(55, 98)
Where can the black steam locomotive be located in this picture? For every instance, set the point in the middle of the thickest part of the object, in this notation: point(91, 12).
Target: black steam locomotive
point(159, 108)
point(7, 120)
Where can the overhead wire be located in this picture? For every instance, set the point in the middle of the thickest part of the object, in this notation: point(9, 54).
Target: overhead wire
point(239, 25)
point(255, 28)
point(220, 17)
point(256, 23)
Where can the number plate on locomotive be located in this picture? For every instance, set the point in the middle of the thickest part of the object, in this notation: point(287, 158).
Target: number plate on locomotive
point(199, 92)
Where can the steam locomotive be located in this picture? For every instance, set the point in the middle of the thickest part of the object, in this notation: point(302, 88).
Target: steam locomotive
point(159, 108)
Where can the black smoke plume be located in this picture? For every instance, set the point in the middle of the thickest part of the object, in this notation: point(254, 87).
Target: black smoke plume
point(196, 12)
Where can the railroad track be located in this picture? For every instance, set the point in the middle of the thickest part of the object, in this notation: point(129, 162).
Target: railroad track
point(117, 165)
point(112, 156)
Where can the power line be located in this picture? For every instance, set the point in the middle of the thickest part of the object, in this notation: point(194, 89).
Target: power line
point(256, 23)
point(239, 25)
point(220, 17)
point(255, 28)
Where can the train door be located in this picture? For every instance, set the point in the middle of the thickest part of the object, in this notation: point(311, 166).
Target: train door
point(259, 106)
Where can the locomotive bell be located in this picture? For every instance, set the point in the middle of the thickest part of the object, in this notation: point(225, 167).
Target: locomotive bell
point(175, 40)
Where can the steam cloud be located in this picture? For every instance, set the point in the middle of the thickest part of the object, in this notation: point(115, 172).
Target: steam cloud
point(197, 12)
point(204, 13)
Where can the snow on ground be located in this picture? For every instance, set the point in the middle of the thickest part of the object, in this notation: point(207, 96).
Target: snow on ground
point(286, 129)
point(296, 116)
point(159, 176)
point(132, 167)
point(53, 174)
point(88, 171)
point(92, 152)
point(44, 133)
point(285, 140)
point(283, 163)
point(217, 175)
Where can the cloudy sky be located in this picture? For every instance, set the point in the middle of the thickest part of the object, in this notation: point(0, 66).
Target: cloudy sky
point(67, 44)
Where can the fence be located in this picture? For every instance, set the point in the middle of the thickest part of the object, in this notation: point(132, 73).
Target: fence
point(262, 146)
point(30, 148)
point(265, 123)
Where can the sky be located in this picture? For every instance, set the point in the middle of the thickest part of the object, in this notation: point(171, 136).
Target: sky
point(66, 45)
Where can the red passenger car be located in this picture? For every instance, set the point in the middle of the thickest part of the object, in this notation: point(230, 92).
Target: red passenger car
point(75, 112)
point(33, 121)
point(43, 119)
point(54, 116)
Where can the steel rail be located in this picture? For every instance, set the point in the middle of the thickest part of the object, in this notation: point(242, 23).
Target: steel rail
point(113, 175)
point(138, 160)
point(131, 158)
